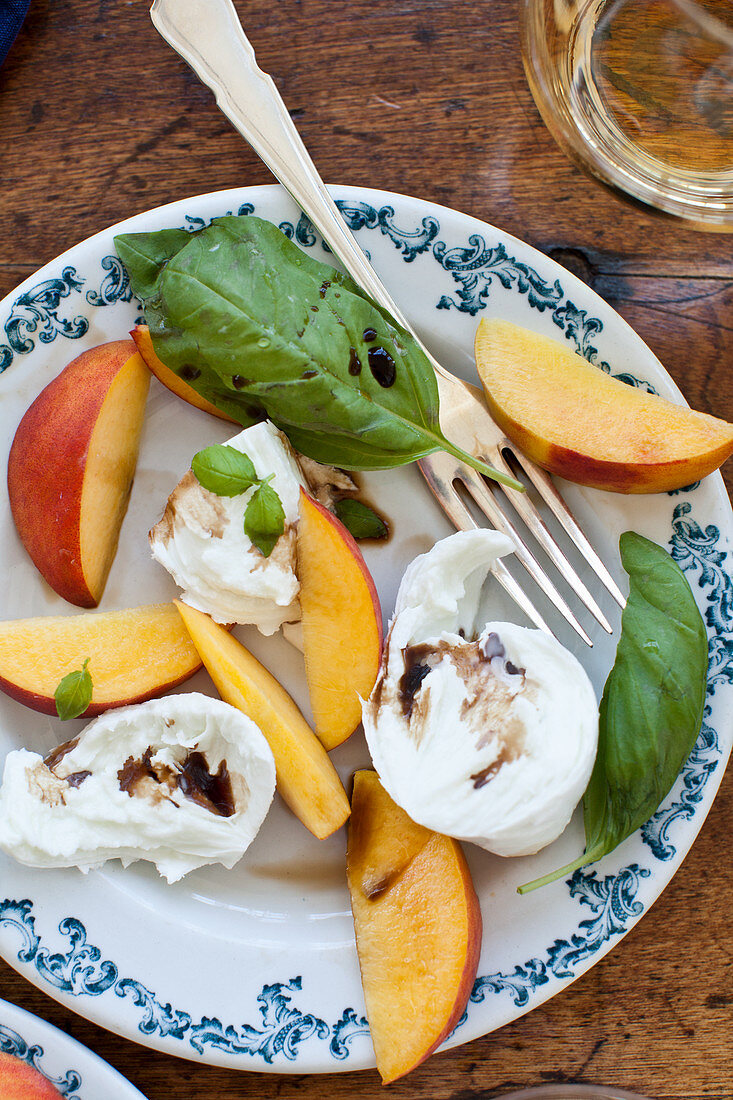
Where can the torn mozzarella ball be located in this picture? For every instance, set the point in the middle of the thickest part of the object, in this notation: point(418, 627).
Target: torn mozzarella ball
point(181, 781)
point(200, 540)
point(485, 732)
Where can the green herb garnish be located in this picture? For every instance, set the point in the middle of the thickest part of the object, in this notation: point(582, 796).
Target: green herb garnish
point(229, 473)
point(652, 706)
point(224, 470)
point(360, 520)
point(260, 329)
point(74, 693)
point(264, 520)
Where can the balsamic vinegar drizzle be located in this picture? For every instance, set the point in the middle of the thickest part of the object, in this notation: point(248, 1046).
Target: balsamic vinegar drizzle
point(383, 367)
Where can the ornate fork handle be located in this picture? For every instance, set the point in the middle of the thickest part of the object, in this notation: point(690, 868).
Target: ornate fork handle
point(209, 36)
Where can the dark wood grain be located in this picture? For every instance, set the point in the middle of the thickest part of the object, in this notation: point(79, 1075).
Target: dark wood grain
point(99, 120)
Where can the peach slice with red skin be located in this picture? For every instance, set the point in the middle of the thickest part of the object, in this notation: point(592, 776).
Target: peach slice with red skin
point(342, 622)
point(135, 654)
point(171, 380)
point(306, 779)
point(19, 1081)
point(71, 467)
point(579, 422)
point(418, 934)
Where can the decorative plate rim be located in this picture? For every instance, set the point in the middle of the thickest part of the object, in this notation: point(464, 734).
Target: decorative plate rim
point(616, 901)
point(21, 1035)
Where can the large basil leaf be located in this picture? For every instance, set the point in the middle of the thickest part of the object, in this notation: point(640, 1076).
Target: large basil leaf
point(261, 329)
point(652, 706)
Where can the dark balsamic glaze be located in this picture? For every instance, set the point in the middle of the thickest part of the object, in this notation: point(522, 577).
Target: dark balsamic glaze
point(238, 381)
point(309, 374)
point(354, 363)
point(77, 778)
point(480, 779)
point(132, 771)
point(189, 374)
point(212, 792)
point(324, 287)
point(59, 753)
point(369, 334)
point(383, 367)
point(415, 672)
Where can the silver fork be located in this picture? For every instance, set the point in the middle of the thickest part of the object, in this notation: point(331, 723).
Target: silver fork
point(208, 35)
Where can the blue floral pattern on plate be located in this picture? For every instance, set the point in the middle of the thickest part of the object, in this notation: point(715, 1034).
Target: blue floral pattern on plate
point(13, 1043)
point(477, 269)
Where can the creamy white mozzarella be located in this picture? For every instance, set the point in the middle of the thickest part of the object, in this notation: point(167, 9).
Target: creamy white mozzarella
point(200, 540)
point(134, 785)
point(484, 731)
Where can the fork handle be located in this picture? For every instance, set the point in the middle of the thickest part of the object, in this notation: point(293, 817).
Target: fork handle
point(208, 35)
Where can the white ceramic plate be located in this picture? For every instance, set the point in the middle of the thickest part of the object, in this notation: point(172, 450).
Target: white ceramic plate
point(256, 968)
point(74, 1071)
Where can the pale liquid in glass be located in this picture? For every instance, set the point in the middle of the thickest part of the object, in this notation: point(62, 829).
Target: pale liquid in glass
point(665, 80)
point(649, 84)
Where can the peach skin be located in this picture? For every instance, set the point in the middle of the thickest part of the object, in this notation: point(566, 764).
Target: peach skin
point(19, 1081)
point(71, 467)
point(135, 654)
point(171, 380)
point(418, 928)
point(342, 622)
point(579, 422)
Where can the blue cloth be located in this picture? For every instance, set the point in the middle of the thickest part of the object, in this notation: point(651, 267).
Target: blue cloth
point(12, 14)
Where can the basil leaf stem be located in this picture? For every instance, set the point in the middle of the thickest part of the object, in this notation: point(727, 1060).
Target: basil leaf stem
point(259, 328)
point(652, 706)
point(74, 693)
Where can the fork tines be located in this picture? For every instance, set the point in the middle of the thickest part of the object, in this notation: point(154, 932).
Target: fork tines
point(443, 472)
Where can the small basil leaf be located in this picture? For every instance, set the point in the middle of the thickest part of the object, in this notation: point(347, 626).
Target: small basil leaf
point(74, 693)
point(264, 519)
point(652, 706)
point(224, 470)
point(360, 520)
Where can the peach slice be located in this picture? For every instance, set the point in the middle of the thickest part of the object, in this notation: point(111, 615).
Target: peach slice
point(171, 380)
point(135, 654)
point(71, 467)
point(342, 622)
point(418, 938)
point(19, 1081)
point(306, 778)
point(586, 426)
point(384, 843)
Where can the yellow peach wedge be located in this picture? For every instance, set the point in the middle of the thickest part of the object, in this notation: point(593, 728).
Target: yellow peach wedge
point(579, 422)
point(171, 380)
point(342, 622)
point(418, 928)
point(71, 467)
point(306, 778)
point(19, 1081)
point(135, 654)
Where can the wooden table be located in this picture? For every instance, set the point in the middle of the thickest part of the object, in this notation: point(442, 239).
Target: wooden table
point(101, 120)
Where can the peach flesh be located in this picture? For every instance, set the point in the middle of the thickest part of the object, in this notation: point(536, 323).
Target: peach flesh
point(579, 422)
point(342, 622)
point(135, 654)
point(418, 939)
